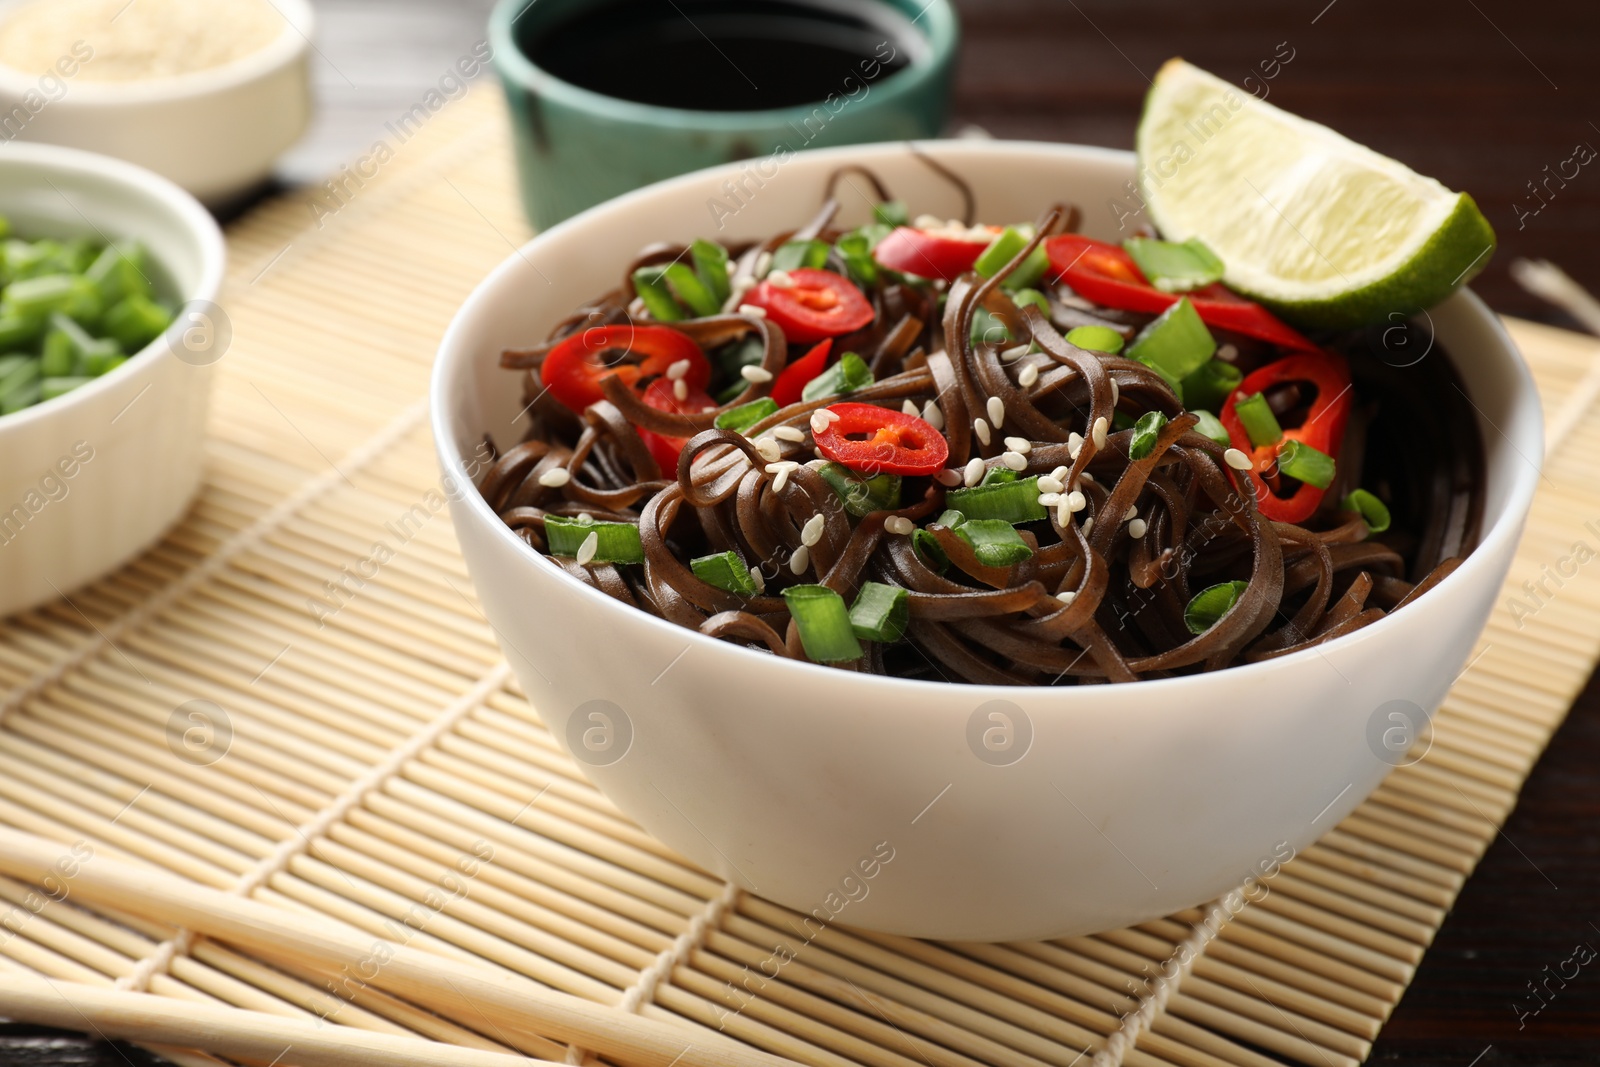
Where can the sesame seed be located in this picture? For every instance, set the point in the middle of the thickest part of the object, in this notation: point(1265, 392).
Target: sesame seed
point(800, 560)
point(899, 524)
point(1086, 476)
point(768, 448)
point(819, 454)
point(680, 389)
point(780, 279)
point(1098, 433)
point(1228, 353)
point(636, 308)
point(759, 580)
point(1060, 474)
point(1137, 527)
point(1063, 513)
point(1049, 500)
point(1074, 444)
point(1116, 393)
point(1088, 524)
point(948, 477)
point(1237, 460)
point(1029, 376)
point(829, 414)
point(586, 551)
point(585, 518)
point(932, 415)
point(1131, 514)
point(997, 411)
point(788, 433)
point(1015, 460)
point(820, 420)
point(751, 311)
point(908, 407)
point(1014, 353)
point(1019, 444)
point(973, 473)
point(927, 222)
point(757, 375)
point(763, 264)
point(780, 473)
point(811, 532)
point(1067, 597)
point(678, 369)
point(981, 428)
point(1076, 501)
point(555, 477)
point(1049, 483)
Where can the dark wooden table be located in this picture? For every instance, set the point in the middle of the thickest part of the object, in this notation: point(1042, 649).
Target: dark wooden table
point(1481, 94)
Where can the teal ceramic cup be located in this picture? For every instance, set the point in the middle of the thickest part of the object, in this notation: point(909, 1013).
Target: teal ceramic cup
point(576, 147)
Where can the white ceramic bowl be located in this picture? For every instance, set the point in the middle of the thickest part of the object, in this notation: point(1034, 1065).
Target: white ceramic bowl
point(215, 132)
point(1118, 803)
point(92, 477)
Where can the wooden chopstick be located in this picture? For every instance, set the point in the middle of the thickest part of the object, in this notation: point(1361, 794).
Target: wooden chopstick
point(455, 988)
point(251, 1035)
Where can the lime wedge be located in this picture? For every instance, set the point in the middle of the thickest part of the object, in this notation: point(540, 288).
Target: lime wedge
point(1326, 232)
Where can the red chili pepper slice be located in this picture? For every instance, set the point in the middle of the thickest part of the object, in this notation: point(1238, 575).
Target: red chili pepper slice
point(1107, 275)
point(573, 369)
point(818, 304)
point(931, 255)
point(875, 440)
point(661, 396)
point(1323, 428)
point(792, 379)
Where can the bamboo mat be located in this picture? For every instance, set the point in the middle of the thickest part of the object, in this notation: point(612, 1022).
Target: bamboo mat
point(190, 712)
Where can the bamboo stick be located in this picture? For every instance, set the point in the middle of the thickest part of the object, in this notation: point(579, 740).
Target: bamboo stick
point(406, 972)
point(227, 1031)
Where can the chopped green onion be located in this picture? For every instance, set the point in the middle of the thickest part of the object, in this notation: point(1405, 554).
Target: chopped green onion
point(669, 288)
point(67, 338)
point(846, 376)
point(855, 248)
point(1300, 461)
point(824, 623)
point(950, 518)
point(890, 213)
point(616, 542)
point(100, 363)
point(1006, 244)
point(1025, 296)
point(17, 331)
point(731, 359)
point(1145, 432)
point(38, 296)
point(999, 474)
point(658, 299)
point(1175, 344)
point(19, 387)
point(1211, 426)
point(1211, 604)
point(50, 388)
point(988, 329)
point(1014, 502)
point(995, 542)
point(57, 356)
point(880, 613)
point(726, 571)
point(745, 416)
point(1096, 339)
point(119, 272)
point(1208, 386)
point(1259, 422)
point(1373, 512)
point(862, 496)
point(135, 321)
point(1173, 267)
point(711, 264)
point(792, 255)
point(24, 396)
point(932, 552)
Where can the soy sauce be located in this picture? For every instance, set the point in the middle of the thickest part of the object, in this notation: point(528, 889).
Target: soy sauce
point(725, 55)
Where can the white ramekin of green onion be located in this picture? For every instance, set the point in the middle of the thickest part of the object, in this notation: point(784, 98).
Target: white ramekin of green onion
point(108, 334)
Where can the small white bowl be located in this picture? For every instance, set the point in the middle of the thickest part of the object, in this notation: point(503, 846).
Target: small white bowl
point(889, 804)
point(92, 477)
point(215, 132)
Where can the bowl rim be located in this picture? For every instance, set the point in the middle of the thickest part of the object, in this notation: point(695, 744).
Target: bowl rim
point(943, 36)
point(452, 361)
point(198, 221)
point(282, 51)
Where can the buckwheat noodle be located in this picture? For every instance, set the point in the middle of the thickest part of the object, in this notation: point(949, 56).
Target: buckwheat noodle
point(1411, 437)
